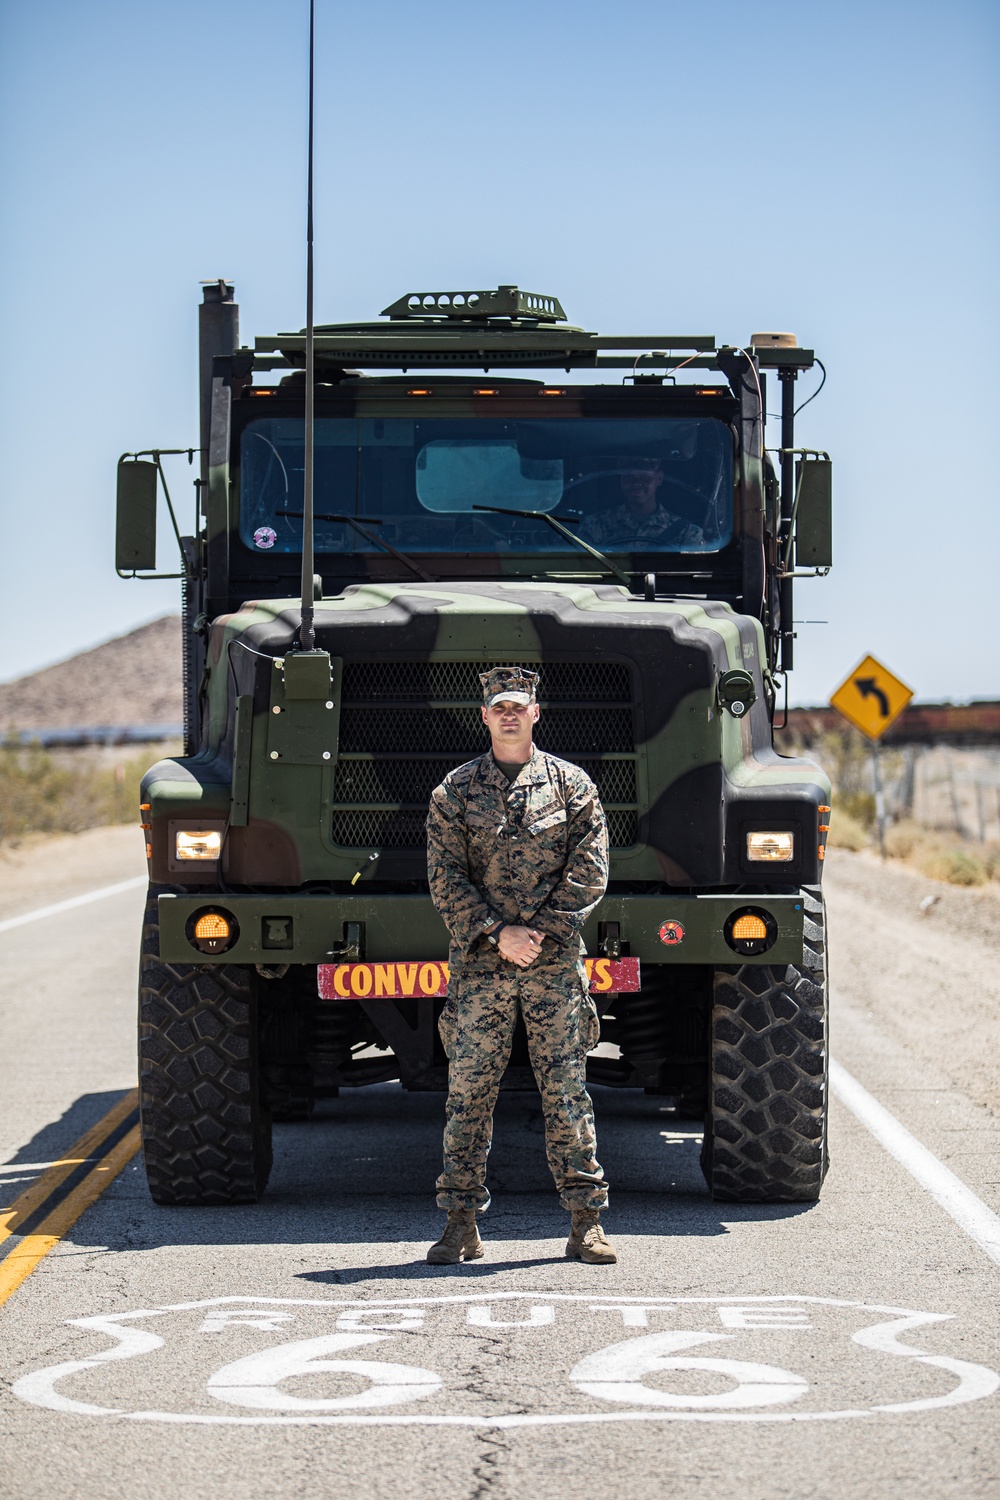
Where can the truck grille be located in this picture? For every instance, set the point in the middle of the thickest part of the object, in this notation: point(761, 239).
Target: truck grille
point(405, 725)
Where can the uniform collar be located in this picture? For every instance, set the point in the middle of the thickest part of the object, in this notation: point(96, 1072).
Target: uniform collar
point(531, 772)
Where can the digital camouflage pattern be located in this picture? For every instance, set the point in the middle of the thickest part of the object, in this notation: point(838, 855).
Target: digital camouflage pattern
point(508, 685)
point(533, 852)
point(476, 1027)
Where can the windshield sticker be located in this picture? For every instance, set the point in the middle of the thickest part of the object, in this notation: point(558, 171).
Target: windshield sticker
point(264, 537)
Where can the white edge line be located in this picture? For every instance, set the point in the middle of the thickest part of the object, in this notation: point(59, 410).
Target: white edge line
point(84, 900)
point(969, 1212)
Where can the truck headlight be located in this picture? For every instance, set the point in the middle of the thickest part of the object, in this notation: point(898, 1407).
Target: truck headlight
point(774, 848)
point(194, 843)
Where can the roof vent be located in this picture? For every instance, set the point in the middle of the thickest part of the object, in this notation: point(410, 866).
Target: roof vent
point(505, 302)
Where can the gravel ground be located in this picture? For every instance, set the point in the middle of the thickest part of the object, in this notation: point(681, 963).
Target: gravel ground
point(938, 990)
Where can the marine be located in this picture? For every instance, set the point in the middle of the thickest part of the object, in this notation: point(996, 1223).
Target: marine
point(517, 859)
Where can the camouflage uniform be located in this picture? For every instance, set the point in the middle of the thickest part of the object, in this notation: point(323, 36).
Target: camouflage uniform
point(622, 526)
point(532, 852)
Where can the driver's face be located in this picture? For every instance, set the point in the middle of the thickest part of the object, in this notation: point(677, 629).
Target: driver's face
point(639, 487)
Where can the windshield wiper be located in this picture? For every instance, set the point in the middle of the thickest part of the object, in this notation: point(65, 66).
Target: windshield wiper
point(543, 515)
point(369, 536)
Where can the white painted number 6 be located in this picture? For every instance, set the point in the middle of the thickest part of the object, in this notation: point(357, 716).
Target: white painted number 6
point(254, 1381)
point(617, 1374)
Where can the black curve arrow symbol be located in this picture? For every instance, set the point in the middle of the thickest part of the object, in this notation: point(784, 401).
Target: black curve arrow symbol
point(867, 688)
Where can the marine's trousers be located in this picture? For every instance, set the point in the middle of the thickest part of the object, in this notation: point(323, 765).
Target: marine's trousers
point(477, 1028)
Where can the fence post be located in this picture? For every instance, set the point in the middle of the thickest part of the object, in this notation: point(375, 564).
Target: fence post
point(953, 789)
point(879, 798)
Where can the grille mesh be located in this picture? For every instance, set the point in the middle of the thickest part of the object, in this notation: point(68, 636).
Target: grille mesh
point(395, 748)
point(423, 681)
point(385, 781)
point(459, 733)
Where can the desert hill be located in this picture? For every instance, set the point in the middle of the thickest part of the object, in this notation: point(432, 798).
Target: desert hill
point(133, 679)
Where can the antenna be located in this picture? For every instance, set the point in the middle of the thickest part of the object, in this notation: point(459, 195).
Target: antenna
point(307, 632)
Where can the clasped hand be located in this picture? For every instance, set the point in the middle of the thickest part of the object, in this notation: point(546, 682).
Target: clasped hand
point(520, 945)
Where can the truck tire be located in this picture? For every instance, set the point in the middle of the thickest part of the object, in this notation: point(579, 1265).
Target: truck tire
point(206, 1136)
point(766, 1127)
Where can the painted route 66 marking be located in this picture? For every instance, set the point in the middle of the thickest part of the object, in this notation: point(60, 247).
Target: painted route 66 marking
point(695, 1359)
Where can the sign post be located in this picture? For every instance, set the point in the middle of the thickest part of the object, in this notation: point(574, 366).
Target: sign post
point(872, 699)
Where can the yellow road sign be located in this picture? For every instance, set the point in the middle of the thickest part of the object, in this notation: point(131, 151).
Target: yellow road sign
point(871, 698)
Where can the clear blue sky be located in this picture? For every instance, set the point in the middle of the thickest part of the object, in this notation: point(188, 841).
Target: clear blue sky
point(829, 168)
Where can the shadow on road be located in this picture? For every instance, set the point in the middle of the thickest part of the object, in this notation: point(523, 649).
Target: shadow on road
point(54, 1139)
point(362, 1171)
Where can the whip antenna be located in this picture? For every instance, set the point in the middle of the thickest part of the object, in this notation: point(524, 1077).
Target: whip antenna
point(307, 632)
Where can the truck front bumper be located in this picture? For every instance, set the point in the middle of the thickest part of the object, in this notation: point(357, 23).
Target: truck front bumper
point(320, 929)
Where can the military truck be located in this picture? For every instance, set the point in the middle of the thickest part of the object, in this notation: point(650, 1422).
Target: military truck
point(492, 485)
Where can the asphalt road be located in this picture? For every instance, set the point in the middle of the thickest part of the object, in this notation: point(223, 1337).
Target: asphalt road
point(302, 1347)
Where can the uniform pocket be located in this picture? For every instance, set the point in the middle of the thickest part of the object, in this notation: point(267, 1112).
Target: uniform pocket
point(593, 1025)
point(483, 823)
point(551, 820)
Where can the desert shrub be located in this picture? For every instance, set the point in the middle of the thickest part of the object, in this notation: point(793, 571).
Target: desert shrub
point(956, 866)
point(40, 794)
point(903, 839)
point(846, 832)
point(860, 806)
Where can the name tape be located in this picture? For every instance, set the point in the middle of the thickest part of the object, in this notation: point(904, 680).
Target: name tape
point(403, 980)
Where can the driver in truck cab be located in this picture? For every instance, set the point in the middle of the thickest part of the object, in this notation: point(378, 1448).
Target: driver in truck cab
point(641, 517)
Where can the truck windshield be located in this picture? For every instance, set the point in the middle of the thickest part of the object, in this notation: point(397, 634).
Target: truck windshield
point(624, 485)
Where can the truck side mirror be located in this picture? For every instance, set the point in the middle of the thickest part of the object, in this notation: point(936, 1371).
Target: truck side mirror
point(135, 531)
point(814, 514)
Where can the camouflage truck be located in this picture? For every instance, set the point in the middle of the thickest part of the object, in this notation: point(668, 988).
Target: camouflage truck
point(470, 509)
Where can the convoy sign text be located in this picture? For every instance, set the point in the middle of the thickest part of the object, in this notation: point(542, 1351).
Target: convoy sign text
point(397, 981)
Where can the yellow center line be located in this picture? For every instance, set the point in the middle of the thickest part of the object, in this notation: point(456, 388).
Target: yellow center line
point(85, 1148)
point(23, 1259)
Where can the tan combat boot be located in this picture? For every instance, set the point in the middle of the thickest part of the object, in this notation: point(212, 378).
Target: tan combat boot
point(587, 1240)
point(460, 1240)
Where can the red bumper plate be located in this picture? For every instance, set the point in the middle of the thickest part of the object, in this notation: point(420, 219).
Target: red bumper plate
point(402, 980)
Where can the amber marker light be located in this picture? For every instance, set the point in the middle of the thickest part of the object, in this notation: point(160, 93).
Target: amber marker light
point(486, 390)
point(194, 843)
point(771, 848)
point(418, 390)
point(552, 390)
point(751, 931)
point(212, 931)
point(749, 927)
point(211, 925)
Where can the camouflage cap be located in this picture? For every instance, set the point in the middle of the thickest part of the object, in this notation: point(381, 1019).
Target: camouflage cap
point(508, 685)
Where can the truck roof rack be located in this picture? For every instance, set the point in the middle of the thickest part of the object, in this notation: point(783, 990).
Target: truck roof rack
point(491, 329)
point(505, 302)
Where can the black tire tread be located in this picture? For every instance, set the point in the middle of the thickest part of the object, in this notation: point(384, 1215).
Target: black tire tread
point(206, 1137)
point(766, 1132)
